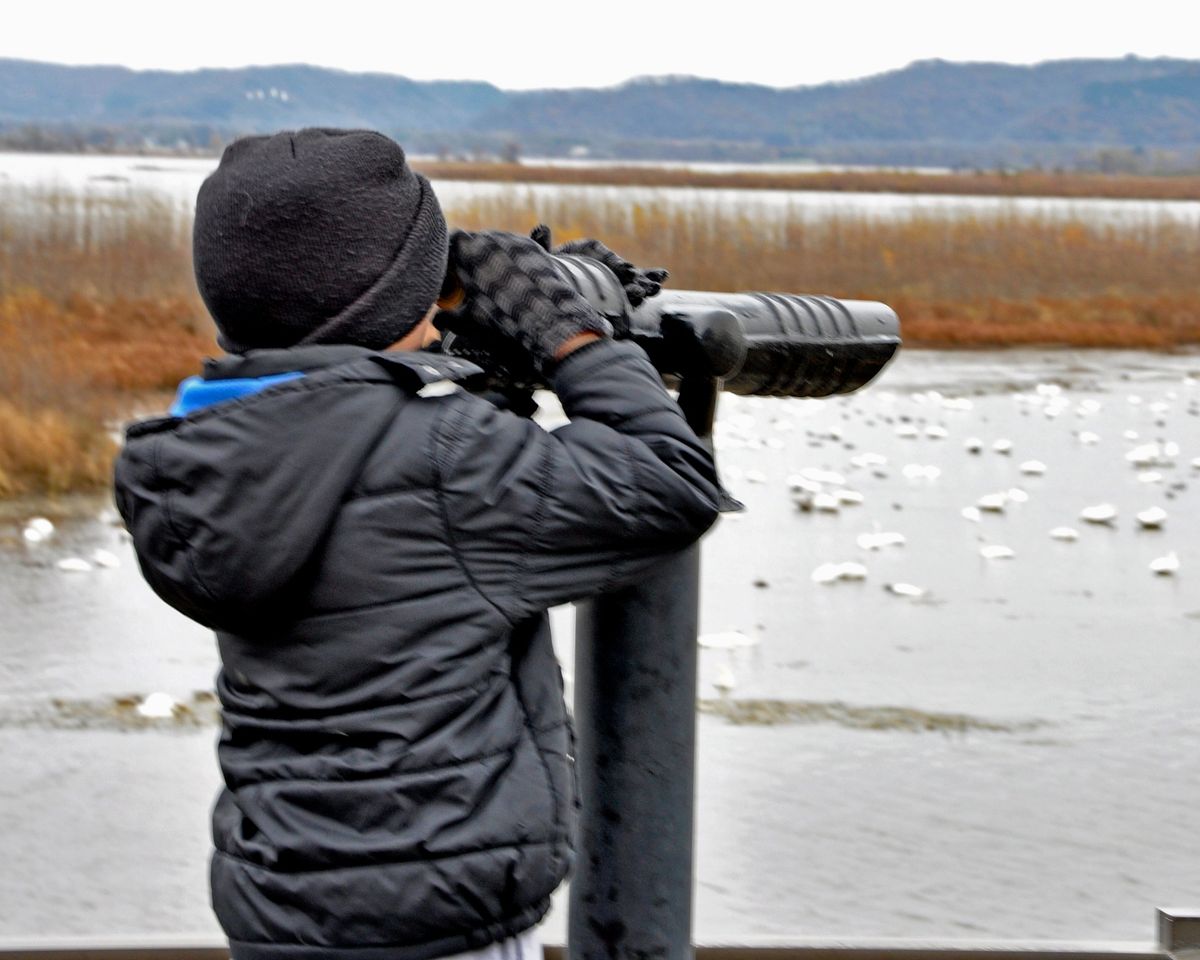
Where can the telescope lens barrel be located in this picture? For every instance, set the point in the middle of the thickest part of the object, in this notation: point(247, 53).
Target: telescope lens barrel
point(797, 345)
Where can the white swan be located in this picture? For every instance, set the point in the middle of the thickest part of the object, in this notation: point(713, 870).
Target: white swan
point(157, 706)
point(38, 530)
point(1165, 566)
point(1152, 518)
point(1099, 513)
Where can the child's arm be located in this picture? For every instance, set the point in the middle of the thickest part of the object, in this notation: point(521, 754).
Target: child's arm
point(541, 518)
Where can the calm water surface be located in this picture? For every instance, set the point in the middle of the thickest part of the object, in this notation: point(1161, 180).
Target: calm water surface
point(1073, 820)
point(179, 178)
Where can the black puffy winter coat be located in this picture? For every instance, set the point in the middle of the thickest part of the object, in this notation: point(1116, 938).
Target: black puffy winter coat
point(376, 563)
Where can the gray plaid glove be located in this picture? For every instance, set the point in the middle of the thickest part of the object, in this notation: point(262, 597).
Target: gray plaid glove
point(513, 287)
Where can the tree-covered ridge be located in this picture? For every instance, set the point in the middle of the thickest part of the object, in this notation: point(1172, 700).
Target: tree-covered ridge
point(931, 111)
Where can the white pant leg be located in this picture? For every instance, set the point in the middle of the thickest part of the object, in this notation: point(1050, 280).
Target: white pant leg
point(526, 945)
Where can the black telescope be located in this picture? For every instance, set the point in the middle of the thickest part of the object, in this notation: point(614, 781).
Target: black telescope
point(759, 344)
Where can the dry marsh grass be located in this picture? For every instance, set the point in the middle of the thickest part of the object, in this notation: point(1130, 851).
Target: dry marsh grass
point(994, 280)
point(98, 307)
point(70, 368)
point(96, 310)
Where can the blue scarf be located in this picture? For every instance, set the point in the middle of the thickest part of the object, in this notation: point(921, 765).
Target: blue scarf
point(196, 393)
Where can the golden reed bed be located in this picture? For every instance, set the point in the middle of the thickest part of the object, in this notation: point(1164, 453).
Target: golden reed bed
point(99, 315)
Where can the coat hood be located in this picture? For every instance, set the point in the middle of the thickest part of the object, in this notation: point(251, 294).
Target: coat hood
point(228, 505)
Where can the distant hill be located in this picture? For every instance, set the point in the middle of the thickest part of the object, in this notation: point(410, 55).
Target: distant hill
point(251, 99)
point(1130, 112)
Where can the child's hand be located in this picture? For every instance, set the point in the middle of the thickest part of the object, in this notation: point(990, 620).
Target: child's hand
point(513, 287)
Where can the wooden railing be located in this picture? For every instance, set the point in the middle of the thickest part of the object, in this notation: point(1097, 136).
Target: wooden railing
point(1178, 939)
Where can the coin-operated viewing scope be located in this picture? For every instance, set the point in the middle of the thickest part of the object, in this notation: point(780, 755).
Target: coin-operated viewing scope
point(754, 344)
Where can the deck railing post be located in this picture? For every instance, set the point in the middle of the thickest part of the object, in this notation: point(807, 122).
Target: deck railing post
point(1179, 932)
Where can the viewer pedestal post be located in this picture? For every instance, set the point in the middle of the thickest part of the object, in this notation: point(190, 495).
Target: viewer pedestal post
point(635, 712)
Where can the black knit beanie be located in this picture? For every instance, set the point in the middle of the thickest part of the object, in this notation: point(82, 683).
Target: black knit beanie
point(317, 236)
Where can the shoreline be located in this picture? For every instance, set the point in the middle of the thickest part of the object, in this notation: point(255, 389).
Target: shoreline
point(74, 505)
point(89, 501)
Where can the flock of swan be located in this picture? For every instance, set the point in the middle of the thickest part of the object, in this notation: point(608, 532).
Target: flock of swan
point(921, 426)
point(1160, 465)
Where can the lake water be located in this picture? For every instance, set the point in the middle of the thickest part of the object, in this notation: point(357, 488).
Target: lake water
point(180, 178)
point(1055, 798)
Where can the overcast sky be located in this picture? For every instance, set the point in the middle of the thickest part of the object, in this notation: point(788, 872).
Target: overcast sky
point(522, 44)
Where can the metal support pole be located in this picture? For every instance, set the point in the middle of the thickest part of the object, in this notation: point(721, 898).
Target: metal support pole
point(635, 710)
point(635, 705)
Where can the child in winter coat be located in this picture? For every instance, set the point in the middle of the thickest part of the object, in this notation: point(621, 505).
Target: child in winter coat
point(377, 558)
